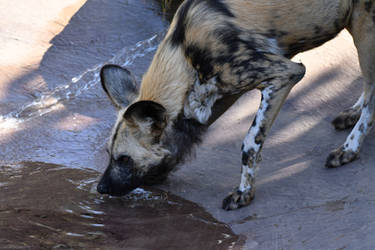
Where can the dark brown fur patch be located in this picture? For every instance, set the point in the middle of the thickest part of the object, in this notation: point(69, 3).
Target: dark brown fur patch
point(219, 6)
point(368, 6)
point(317, 30)
point(362, 128)
point(273, 33)
point(259, 139)
point(245, 158)
point(310, 42)
point(185, 134)
point(178, 36)
point(201, 60)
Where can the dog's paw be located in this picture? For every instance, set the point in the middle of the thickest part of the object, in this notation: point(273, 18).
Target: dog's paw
point(340, 157)
point(346, 119)
point(238, 199)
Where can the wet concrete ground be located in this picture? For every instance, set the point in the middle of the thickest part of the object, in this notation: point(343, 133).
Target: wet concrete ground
point(53, 111)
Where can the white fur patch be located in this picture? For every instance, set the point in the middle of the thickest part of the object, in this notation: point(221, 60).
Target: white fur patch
point(246, 173)
point(359, 102)
point(354, 140)
point(200, 100)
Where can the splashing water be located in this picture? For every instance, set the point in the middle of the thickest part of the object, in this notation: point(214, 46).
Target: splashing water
point(50, 101)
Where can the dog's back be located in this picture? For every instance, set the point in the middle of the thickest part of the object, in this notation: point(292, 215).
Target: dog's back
point(296, 25)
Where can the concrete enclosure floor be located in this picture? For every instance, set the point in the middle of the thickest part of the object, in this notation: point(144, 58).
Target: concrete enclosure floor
point(53, 110)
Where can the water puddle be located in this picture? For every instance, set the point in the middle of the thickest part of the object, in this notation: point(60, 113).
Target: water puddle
point(48, 206)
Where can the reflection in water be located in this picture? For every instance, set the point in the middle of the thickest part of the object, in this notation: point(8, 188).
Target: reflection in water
point(48, 206)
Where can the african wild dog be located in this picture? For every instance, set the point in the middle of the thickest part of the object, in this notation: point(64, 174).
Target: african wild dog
point(214, 51)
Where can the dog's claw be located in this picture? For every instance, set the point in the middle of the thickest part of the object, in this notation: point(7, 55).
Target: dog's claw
point(238, 199)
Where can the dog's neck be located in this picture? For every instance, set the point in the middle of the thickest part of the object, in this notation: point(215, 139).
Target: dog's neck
point(168, 79)
point(183, 133)
point(181, 136)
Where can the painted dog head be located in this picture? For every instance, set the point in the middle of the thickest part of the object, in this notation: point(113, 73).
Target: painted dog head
point(137, 153)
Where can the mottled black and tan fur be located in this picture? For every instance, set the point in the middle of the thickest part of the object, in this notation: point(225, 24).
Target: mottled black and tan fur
point(214, 51)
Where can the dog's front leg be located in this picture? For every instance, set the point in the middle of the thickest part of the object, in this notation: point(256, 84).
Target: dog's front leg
point(274, 93)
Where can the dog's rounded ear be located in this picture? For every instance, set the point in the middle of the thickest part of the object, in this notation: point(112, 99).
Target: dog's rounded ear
point(147, 114)
point(119, 84)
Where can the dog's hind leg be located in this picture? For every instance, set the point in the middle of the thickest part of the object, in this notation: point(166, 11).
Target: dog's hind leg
point(282, 76)
point(349, 117)
point(362, 28)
